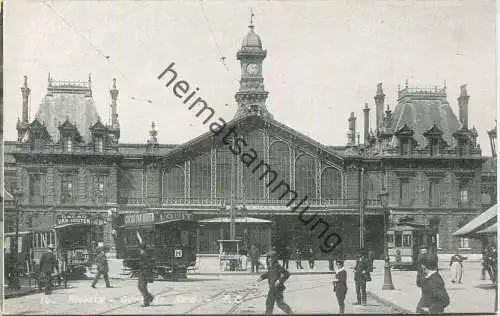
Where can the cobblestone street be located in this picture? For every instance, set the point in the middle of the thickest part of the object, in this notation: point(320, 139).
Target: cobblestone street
point(198, 295)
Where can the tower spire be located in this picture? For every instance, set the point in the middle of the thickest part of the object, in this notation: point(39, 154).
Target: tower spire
point(251, 19)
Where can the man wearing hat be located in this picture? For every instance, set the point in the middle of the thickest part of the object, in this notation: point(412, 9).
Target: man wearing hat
point(145, 273)
point(48, 262)
point(434, 296)
point(102, 267)
point(361, 276)
point(276, 276)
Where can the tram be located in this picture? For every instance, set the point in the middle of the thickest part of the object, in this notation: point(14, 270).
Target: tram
point(404, 243)
point(170, 240)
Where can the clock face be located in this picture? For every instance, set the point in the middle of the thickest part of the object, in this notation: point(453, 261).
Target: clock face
point(252, 69)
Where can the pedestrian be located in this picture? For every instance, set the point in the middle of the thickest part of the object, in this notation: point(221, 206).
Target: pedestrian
point(298, 258)
point(254, 258)
point(485, 263)
point(457, 267)
point(276, 277)
point(48, 262)
point(371, 257)
point(434, 296)
point(145, 273)
point(286, 256)
point(361, 276)
point(311, 258)
point(340, 284)
point(102, 267)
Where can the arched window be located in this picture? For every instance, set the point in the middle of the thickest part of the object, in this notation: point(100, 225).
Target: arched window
point(173, 183)
point(200, 177)
point(330, 184)
point(279, 160)
point(224, 173)
point(253, 187)
point(305, 182)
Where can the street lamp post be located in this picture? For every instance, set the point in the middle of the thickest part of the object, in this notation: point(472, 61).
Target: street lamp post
point(388, 285)
point(14, 281)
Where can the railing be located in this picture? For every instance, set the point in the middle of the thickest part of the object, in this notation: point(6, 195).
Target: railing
point(449, 153)
point(57, 148)
point(226, 201)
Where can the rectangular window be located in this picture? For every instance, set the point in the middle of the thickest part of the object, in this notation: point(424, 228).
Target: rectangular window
point(405, 192)
point(464, 197)
point(406, 240)
point(434, 197)
point(464, 243)
point(99, 191)
point(35, 188)
point(438, 245)
point(67, 189)
point(398, 239)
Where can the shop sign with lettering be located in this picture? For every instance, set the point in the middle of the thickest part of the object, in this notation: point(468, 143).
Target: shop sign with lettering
point(169, 215)
point(72, 219)
point(139, 218)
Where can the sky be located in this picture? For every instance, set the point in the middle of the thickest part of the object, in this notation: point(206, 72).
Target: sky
point(324, 58)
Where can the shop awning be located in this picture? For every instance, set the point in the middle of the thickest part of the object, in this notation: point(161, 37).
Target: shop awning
point(249, 220)
point(483, 221)
point(491, 230)
point(175, 220)
point(71, 225)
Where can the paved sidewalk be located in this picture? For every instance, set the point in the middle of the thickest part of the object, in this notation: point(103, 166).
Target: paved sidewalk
point(472, 296)
point(210, 266)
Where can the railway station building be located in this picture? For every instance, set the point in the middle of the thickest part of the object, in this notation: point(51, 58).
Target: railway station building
point(71, 167)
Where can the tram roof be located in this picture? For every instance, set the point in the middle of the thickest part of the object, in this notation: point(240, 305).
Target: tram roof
point(405, 228)
point(247, 219)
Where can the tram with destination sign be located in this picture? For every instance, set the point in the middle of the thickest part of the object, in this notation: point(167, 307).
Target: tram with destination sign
point(170, 239)
point(405, 241)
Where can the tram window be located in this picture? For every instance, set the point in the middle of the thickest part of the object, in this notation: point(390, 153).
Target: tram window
point(398, 239)
point(184, 238)
point(390, 239)
point(406, 240)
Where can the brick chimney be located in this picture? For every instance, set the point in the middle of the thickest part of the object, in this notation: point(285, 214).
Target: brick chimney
point(351, 135)
point(366, 112)
point(379, 106)
point(463, 106)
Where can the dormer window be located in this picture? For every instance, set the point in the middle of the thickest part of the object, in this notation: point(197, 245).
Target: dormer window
point(406, 146)
point(406, 141)
point(98, 144)
point(68, 144)
point(434, 146)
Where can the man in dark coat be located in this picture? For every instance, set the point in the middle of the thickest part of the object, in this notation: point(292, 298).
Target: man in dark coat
point(361, 276)
point(48, 262)
point(102, 268)
point(254, 258)
point(286, 256)
point(145, 274)
point(434, 296)
point(276, 277)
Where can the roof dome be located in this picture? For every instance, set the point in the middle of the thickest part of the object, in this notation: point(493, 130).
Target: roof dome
point(251, 39)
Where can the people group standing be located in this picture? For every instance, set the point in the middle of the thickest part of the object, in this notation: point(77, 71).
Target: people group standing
point(276, 276)
point(298, 258)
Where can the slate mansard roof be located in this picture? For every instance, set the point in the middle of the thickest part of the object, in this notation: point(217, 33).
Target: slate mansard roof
point(68, 100)
point(420, 110)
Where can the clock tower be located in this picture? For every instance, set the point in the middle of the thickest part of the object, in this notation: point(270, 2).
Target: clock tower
point(251, 97)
